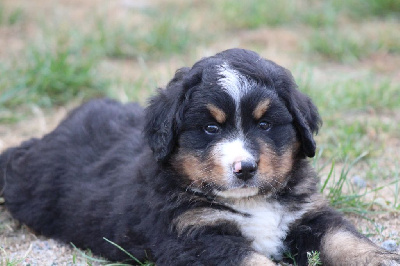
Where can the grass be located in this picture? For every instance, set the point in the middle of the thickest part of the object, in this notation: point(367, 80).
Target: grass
point(333, 31)
point(396, 191)
point(360, 93)
point(359, 9)
point(347, 197)
point(6, 260)
point(137, 90)
point(349, 140)
point(333, 187)
point(64, 65)
point(10, 17)
point(48, 76)
point(90, 259)
point(333, 43)
point(349, 44)
point(167, 36)
point(340, 38)
point(256, 13)
point(351, 108)
point(155, 39)
point(313, 258)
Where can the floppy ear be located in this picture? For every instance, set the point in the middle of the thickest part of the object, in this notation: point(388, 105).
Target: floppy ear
point(163, 117)
point(306, 120)
point(305, 114)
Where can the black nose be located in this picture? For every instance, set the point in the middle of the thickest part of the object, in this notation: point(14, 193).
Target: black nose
point(246, 170)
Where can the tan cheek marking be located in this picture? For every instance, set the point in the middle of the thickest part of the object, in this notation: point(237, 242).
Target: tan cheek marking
point(265, 165)
point(189, 165)
point(284, 163)
point(197, 171)
point(275, 167)
point(217, 113)
point(261, 108)
point(218, 172)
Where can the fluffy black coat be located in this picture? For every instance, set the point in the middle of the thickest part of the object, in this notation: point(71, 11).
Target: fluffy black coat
point(114, 171)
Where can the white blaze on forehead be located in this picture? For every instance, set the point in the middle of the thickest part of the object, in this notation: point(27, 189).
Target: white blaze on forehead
point(234, 83)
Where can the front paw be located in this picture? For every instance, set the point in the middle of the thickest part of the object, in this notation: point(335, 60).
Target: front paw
point(256, 259)
point(378, 258)
point(389, 259)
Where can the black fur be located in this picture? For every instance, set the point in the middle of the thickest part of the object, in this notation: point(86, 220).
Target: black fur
point(110, 170)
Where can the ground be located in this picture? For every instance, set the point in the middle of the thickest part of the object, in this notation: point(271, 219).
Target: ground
point(344, 54)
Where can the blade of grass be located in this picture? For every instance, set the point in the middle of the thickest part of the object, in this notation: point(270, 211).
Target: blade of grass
point(83, 254)
point(123, 250)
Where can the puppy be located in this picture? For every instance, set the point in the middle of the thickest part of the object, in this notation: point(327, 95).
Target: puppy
point(213, 172)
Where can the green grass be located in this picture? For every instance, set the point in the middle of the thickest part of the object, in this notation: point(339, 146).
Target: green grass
point(255, 13)
point(358, 133)
point(345, 196)
point(168, 35)
point(90, 259)
point(388, 39)
point(360, 9)
point(396, 191)
point(47, 75)
point(347, 140)
point(335, 44)
point(313, 258)
point(137, 90)
point(10, 17)
point(351, 109)
point(258, 13)
point(321, 14)
point(349, 44)
point(333, 187)
point(67, 65)
point(6, 260)
point(360, 93)
point(332, 31)
point(64, 65)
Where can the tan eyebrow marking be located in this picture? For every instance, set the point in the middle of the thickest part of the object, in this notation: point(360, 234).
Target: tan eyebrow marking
point(217, 113)
point(261, 108)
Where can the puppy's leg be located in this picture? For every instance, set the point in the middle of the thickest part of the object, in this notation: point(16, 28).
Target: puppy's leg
point(342, 247)
point(209, 249)
point(256, 259)
point(339, 243)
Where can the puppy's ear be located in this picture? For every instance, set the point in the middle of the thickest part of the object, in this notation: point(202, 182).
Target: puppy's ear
point(306, 120)
point(305, 114)
point(163, 116)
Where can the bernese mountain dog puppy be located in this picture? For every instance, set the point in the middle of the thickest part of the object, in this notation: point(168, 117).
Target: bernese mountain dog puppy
point(213, 172)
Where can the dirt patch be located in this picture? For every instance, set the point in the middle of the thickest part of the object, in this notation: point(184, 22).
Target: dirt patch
point(20, 246)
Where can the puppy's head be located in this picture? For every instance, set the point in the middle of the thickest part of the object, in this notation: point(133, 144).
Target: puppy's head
point(233, 125)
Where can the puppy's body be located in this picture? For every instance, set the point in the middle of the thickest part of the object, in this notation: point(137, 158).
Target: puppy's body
point(218, 178)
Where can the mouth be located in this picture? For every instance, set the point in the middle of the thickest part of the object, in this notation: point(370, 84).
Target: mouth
point(238, 192)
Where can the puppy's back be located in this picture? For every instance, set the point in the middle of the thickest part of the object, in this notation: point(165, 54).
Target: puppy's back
point(36, 175)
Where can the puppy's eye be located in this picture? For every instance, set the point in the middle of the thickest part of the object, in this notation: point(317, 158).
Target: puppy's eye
point(264, 125)
point(212, 129)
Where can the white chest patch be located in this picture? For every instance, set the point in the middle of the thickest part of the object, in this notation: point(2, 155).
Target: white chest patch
point(267, 224)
